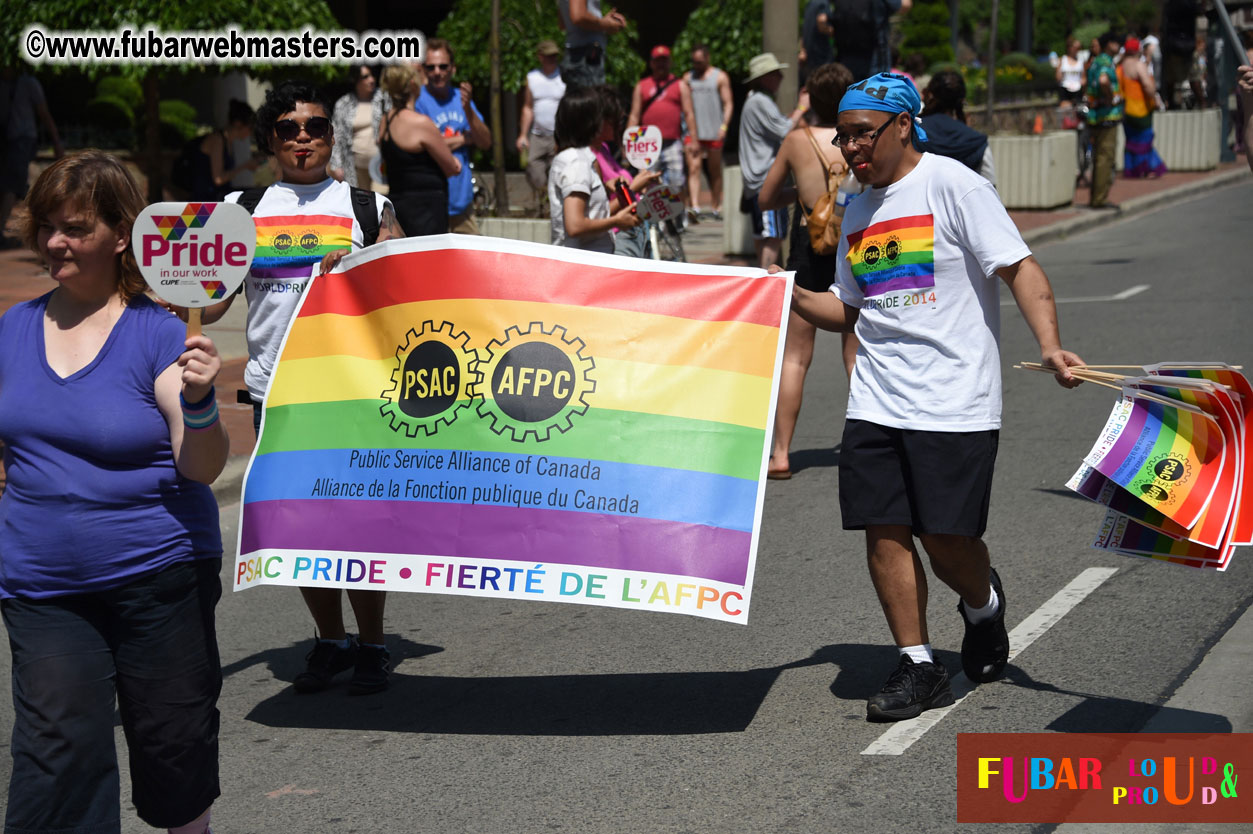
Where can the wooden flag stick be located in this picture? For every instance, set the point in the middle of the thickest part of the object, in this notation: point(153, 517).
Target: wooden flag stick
point(1141, 367)
point(1036, 366)
point(193, 321)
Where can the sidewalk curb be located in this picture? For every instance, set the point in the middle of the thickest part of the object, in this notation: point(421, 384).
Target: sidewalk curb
point(1130, 208)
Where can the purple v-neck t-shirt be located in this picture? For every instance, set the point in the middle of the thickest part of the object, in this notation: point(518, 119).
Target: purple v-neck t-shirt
point(93, 497)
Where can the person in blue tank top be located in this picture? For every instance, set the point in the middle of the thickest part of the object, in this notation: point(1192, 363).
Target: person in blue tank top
point(461, 125)
point(110, 548)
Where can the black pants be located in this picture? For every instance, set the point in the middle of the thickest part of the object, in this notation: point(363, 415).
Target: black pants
point(151, 647)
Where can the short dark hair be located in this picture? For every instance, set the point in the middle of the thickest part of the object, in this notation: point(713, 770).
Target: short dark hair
point(827, 85)
point(579, 117)
point(1110, 37)
point(439, 43)
point(946, 93)
point(700, 47)
point(611, 109)
point(283, 99)
point(238, 113)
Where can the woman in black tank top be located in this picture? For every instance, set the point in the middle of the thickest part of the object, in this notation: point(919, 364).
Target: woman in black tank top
point(418, 162)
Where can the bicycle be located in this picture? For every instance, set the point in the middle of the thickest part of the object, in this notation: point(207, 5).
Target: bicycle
point(484, 197)
point(667, 241)
point(1083, 133)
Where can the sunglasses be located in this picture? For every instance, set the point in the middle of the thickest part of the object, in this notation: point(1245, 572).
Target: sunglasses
point(318, 127)
point(433, 67)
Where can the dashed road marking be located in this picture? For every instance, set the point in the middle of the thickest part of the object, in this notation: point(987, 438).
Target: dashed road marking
point(1089, 299)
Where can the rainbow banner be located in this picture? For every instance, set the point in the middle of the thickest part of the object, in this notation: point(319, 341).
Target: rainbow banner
point(481, 417)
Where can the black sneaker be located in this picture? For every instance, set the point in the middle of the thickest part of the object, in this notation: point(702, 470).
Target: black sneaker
point(374, 666)
point(985, 648)
point(325, 661)
point(911, 688)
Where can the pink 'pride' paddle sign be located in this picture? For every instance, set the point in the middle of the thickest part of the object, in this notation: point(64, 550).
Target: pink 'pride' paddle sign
point(194, 254)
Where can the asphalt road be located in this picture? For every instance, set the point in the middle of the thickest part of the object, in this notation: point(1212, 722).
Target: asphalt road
point(508, 716)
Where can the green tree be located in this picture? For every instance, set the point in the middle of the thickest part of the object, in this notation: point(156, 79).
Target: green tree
point(523, 24)
point(730, 28)
point(83, 15)
point(926, 30)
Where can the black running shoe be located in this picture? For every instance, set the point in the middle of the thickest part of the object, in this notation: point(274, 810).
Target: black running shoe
point(985, 648)
point(324, 662)
point(374, 666)
point(911, 688)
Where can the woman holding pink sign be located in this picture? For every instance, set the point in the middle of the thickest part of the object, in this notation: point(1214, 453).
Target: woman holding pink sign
point(109, 542)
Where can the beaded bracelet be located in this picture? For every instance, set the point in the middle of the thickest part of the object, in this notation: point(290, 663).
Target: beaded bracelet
point(202, 415)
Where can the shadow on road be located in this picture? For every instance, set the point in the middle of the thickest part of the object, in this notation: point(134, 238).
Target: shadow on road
point(675, 703)
point(802, 459)
point(1102, 714)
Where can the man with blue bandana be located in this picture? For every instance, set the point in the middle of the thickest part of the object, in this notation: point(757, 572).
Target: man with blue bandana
point(916, 282)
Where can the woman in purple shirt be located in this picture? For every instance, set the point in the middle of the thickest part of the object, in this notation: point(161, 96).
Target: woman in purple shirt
point(109, 542)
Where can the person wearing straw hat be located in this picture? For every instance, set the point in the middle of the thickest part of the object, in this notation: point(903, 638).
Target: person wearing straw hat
point(544, 89)
point(914, 282)
point(762, 128)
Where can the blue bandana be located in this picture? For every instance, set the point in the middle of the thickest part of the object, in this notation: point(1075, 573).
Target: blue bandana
point(889, 92)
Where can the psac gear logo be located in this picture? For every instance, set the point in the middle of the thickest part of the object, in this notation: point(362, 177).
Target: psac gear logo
point(535, 381)
point(433, 380)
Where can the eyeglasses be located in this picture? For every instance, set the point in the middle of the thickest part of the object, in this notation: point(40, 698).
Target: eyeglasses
point(318, 127)
point(433, 67)
point(863, 139)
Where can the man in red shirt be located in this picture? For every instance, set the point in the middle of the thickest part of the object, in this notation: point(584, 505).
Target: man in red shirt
point(664, 100)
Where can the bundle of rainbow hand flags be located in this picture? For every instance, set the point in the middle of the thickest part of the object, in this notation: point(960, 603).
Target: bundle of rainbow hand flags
point(1170, 464)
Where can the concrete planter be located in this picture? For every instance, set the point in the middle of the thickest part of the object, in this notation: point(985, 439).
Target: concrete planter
point(737, 228)
point(1036, 172)
point(1188, 140)
point(517, 228)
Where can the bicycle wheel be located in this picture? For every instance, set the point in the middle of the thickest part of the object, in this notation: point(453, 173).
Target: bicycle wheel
point(1084, 160)
point(484, 198)
point(671, 240)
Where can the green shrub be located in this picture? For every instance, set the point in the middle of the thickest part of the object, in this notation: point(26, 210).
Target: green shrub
point(123, 89)
point(926, 31)
point(179, 118)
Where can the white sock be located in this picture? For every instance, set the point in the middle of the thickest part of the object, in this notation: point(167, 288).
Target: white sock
point(987, 612)
point(918, 654)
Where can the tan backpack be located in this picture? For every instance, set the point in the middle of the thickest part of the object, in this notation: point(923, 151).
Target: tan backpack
point(825, 218)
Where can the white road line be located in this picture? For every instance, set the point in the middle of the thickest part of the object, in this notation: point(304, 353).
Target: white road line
point(1088, 299)
point(898, 738)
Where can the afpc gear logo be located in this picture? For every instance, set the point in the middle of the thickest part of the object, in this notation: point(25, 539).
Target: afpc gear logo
point(535, 381)
point(433, 380)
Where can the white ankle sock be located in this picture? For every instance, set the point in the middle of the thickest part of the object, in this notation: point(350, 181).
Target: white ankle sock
point(918, 654)
point(987, 612)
